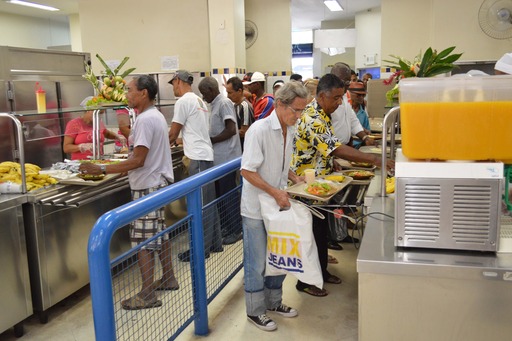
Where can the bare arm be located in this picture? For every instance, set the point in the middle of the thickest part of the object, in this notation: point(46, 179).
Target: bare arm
point(281, 197)
point(352, 154)
point(110, 135)
point(294, 177)
point(174, 132)
point(69, 145)
point(229, 130)
point(123, 121)
point(135, 161)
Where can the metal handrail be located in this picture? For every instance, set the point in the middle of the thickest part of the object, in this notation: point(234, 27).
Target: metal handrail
point(105, 227)
point(390, 117)
point(21, 151)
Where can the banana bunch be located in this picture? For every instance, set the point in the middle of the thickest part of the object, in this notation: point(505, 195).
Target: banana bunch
point(113, 89)
point(11, 171)
point(390, 185)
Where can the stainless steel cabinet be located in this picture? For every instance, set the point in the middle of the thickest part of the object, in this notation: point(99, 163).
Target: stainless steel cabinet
point(15, 300)
point(58, 224)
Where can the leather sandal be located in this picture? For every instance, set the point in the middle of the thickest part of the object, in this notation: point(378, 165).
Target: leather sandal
point(332, 259)
point(333, 279)
point(158, 285)
point(314, 291)
point(137, 302)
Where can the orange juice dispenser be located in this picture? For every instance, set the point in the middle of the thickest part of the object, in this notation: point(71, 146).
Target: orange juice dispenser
point(451, 171)
point(457, 118)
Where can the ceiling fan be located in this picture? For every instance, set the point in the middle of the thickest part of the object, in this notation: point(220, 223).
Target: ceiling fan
point(495, 18)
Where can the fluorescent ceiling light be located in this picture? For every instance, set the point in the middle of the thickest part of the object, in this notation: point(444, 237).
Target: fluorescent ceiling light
point(31, 4)
point(333, 5)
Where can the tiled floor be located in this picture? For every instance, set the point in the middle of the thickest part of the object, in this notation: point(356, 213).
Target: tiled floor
point(320, 318)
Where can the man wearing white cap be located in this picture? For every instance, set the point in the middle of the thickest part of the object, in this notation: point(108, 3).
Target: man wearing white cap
point(504, 65)
point(263, 103)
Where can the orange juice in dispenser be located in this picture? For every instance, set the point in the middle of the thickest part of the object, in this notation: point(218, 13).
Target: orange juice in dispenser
point(457, 118)
point(40, 99)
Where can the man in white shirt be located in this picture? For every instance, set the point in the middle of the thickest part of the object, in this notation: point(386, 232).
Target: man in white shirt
point(191, 118)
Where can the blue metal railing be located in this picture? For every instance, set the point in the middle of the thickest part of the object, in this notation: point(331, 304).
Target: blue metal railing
point(110, 222)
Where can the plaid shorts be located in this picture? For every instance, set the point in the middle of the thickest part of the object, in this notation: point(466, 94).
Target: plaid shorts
point(149, 225)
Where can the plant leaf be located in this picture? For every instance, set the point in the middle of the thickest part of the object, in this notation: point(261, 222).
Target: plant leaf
point(127, 72)
point(451, 59)
point(427, 57)
point(445, 52)
point(118, 68)
point(107, 69)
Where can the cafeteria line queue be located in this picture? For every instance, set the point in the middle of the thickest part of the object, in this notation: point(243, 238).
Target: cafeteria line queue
point(390, 164)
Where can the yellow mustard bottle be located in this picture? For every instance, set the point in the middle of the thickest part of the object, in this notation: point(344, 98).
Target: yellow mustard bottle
point(40, 99)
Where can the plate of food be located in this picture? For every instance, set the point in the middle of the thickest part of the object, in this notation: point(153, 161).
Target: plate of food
point(362, 164)
point(92, 177)
point(321, 189)
point(375, 136)
point(359, 174)
point(120, 156)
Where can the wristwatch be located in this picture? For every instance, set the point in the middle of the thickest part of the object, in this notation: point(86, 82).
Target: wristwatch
point(103, 169)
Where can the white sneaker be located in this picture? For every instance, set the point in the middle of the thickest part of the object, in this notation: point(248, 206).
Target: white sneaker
point(285, 311)
point(263, 322)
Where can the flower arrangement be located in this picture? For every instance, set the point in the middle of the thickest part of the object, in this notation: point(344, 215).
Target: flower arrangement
point(430, 64)
point(112, 88)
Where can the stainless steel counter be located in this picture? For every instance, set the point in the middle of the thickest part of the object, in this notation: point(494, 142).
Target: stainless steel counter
point(58, 223)
point(427, 294)
point(15, 299)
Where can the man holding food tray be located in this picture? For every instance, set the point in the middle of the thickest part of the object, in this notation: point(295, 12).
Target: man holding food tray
point(315, 146)
point(149, 168)
point(265, 169)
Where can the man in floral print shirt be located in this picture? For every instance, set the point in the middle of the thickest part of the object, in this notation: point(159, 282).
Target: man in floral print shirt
point(315, 146)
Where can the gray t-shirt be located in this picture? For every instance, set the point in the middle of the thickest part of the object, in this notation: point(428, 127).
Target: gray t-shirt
point(150, 130)
point(222, 110)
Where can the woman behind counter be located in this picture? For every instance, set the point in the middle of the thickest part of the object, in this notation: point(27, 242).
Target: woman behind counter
point(78, 136)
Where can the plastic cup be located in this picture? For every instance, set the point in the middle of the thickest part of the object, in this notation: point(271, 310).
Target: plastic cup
point(309, 174)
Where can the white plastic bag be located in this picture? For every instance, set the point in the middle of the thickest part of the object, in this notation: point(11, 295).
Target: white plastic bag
point(291, 247)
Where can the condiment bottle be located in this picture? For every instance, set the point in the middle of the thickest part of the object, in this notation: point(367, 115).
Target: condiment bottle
point(40, 99)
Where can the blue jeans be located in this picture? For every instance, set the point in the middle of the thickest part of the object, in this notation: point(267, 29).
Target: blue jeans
point(211, 222)
point(260, 292)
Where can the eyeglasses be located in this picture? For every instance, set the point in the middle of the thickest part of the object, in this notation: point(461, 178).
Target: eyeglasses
point(295, 111)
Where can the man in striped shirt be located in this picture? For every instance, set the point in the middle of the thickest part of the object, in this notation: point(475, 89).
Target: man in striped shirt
point(262, 103)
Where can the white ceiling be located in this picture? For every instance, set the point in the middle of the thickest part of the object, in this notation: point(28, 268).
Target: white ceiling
point(306, 14)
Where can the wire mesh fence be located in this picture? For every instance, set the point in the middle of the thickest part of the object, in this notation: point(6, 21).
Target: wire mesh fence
point(162, 309)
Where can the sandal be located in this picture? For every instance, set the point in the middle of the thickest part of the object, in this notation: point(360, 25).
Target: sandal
point(333, 279)
point(137, 302)
point(332, 259)
point(314, 291)
point(157, 285)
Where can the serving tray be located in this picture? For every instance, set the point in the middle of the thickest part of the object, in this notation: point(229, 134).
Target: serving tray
point(300, 189)
point(347, 165)
point(82, 182)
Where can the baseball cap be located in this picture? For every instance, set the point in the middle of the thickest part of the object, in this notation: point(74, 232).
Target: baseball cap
point(504, 64)
point(184, 75)
point(256, 77)
point(278, 83)
point(357, 88)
